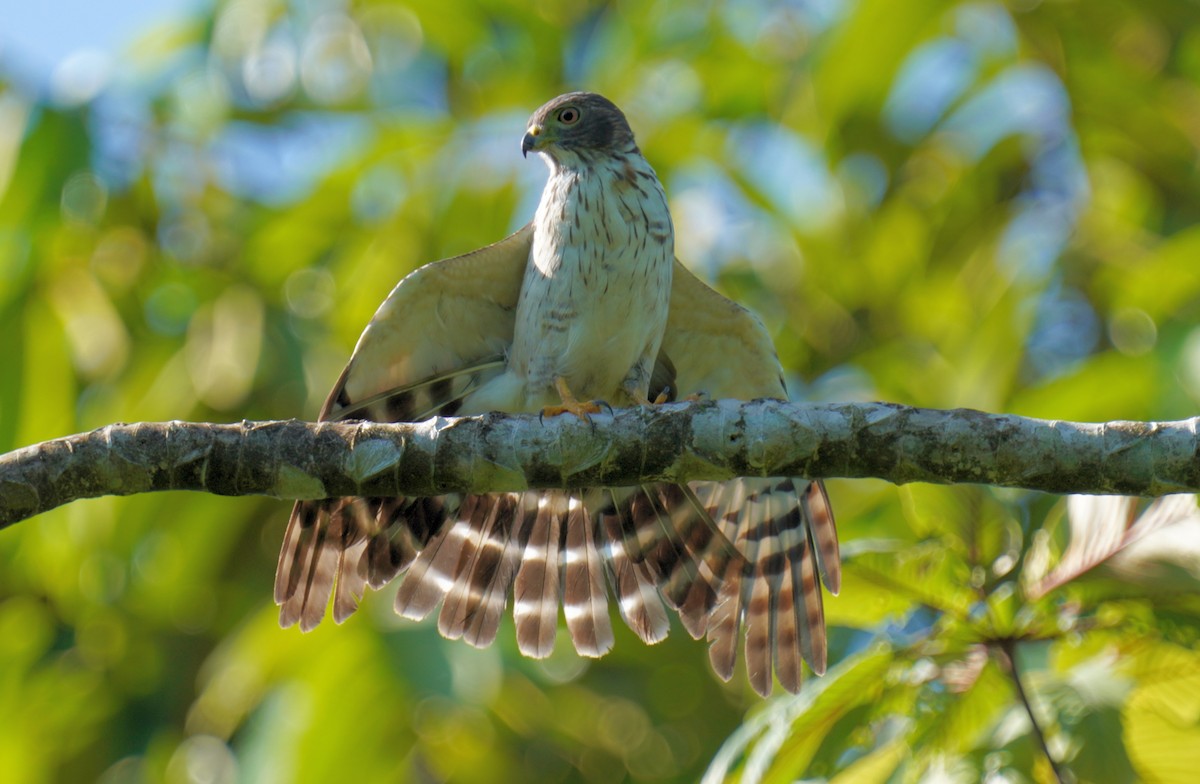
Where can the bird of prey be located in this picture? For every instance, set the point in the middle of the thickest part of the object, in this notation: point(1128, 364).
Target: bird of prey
point(586, 303)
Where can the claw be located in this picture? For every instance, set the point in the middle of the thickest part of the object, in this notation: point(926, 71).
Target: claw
point(663, 397)
point(581, 409)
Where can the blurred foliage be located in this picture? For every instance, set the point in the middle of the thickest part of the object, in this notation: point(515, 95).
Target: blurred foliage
point(937, 203)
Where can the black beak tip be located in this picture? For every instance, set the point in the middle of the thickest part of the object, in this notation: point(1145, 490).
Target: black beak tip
point(527, 144)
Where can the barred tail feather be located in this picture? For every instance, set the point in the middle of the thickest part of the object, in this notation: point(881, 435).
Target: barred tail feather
point(749, 552)
point(469, 609)
point(753, 591)
point(810, 613)
point(585, 595)
point(351, 580)
point(712, 553)
point(786, 551)
point(308, 564)
point(723, 630)
point(403, 527)
point(301, 529)
point(758, 635)
point(726, 621)
point(535, 597)
point(788, 637)
point(431, 575)
point(483, 631)
point(786, 534)
point(667, 530)
point(338, 546)
point(634, 583)
point(823, 530)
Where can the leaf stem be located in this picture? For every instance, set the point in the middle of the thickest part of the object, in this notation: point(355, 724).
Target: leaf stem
point(1008, 647)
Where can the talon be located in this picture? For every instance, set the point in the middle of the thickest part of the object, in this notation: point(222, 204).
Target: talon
point(570, 405)
point(663, 397)
point(581, 409)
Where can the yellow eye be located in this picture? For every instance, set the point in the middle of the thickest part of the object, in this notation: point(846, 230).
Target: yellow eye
point(568, 116)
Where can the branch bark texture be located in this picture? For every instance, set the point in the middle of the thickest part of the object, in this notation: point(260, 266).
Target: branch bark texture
point(497, 452)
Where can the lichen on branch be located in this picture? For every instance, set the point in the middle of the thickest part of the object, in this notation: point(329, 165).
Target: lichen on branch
point(712, 440)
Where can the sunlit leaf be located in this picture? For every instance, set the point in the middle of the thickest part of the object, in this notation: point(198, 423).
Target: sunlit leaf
point(877, 766)
point(962, 718)
point(926, 574)
point(1103, 526)
point(1162, 715)
point(777, 743)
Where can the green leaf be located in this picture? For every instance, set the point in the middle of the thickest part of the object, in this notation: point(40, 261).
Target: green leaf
point(777, 743)
point(1162, 715)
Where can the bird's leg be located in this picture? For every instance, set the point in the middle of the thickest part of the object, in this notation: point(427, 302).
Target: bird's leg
point(639, 398)
point(633, 389)
point(570, 405)
point(634, 385)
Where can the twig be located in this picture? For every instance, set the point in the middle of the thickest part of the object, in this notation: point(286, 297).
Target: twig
point(1008, 647)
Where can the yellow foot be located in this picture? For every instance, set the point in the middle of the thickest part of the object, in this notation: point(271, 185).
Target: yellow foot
point(581, 409)
point(642, 400)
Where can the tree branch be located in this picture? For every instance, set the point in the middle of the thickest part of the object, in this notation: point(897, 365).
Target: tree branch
point(496, 452)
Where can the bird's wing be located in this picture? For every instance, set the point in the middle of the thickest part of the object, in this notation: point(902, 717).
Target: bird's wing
point(782, 527)
point(719, 348)
point(441, 332)
point(441, 318)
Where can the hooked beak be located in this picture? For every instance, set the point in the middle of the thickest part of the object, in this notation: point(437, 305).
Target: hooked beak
point(529, 140)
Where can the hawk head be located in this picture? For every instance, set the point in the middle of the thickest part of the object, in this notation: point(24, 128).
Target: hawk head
point(576, 125)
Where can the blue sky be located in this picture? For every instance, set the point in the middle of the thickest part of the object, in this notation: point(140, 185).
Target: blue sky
point(36, 37)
